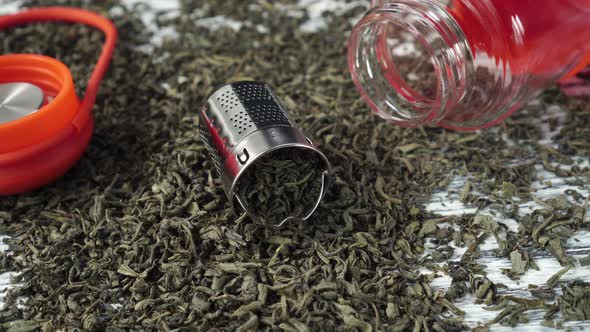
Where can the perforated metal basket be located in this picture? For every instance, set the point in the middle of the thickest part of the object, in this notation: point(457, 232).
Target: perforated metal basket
point(241, 123)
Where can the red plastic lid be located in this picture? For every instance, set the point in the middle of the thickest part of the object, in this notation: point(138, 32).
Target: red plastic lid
point(41, 146)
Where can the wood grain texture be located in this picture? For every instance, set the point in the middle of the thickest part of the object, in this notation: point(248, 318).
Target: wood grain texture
point(447, 203)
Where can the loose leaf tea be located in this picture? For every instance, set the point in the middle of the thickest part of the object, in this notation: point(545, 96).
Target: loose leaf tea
point(555, 278)
point(284, 185)
point(140, 236)
point(574, 304)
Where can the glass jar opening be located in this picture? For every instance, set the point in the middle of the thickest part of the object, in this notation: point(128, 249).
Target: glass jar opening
point(408, 65)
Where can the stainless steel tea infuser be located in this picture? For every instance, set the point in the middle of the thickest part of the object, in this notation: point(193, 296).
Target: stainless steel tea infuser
point(241, 123)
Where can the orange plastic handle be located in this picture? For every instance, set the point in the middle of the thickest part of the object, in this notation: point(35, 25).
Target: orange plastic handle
point(52, 75)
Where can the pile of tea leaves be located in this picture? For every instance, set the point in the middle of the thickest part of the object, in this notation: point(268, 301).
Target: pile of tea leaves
point(283, 186)
point(140, 235)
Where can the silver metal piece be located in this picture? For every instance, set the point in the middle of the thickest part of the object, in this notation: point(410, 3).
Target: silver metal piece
point(18, 100)
point(241, 123)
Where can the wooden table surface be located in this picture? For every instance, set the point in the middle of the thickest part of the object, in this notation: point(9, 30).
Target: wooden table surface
point(445, 203)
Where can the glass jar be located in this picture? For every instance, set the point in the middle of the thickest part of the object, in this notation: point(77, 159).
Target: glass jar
point(465, 64)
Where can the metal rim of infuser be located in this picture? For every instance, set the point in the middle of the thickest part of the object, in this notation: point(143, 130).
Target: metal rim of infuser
point(242, 123)
point(236, 198)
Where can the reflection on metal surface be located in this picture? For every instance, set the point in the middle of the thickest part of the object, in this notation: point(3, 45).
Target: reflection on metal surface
point(18, 100)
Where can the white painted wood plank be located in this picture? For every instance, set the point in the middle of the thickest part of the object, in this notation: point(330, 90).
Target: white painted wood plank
point(447, 203)
point(5, 278)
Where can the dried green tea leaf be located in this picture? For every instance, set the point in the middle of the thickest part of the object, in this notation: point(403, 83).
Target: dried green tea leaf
point(246, 309)
point(464, 194)
point(484, 290)
point(574, 304)
point(348, 315)
point(428, 228)
point(126, 270)
point(21, 326)
point(543, 293)
point(237, 267)
point(585, 261)
point(558, 202)
point(392, 311)
point(551, 282)
point(295, 325)
point(556, 248)
point(409, 148)
point(518, 264)
point(508, 190)
point(250, 325)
